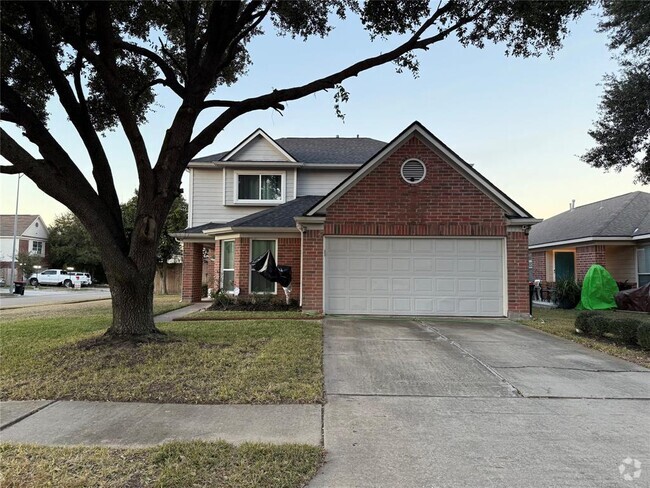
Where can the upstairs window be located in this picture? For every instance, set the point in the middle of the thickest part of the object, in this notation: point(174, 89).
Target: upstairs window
point(259, 187)
point(37, 247)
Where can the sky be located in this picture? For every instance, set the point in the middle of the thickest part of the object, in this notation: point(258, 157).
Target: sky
point(522, 122)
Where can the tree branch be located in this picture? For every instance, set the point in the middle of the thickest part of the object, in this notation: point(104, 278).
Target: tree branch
point(276, 97)
point(170, 75)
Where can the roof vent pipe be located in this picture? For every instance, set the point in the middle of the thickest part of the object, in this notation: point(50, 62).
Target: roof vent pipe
point(572, 205)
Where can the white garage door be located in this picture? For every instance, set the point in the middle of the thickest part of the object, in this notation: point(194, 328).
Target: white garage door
point(396, 276)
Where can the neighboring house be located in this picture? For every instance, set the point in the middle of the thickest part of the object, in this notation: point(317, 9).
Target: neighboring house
point(614, 233)
point(31, 237)
point(404, 228)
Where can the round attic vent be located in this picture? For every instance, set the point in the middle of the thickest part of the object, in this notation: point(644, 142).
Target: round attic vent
point(413, 171)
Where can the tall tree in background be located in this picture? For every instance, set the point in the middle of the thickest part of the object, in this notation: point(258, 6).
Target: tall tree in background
point(70, 244)
point(102, 61)
point(622, 133)
point(168, 246)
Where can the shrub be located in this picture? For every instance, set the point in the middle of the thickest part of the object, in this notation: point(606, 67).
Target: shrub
point(567, 293)
point(624, 328)
point(643, 336)
point(583, 318)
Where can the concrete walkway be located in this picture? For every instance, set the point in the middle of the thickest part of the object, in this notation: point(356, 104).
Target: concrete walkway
point(478, 404)
point(182, 312)
point(118, 424)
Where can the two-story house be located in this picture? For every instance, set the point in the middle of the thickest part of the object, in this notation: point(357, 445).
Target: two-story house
point(399, 228)
point(31, 238)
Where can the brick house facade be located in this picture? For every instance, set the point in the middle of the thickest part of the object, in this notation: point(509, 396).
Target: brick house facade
point(452, 208)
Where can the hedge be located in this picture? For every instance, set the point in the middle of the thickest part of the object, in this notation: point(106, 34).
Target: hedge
point(628, 329)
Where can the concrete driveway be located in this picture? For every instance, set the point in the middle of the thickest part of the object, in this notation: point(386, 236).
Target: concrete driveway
point(442, 403)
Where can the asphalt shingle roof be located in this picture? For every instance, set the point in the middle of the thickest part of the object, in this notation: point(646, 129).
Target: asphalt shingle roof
point(7, 224)
point(280, 216)
point(623, 216)
point(321, 150)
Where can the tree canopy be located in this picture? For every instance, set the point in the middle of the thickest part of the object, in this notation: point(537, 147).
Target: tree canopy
point(622, 133)
point(103, 60)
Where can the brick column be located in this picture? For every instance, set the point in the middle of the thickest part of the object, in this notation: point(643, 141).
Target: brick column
point(312, 274)
point(518, 294)
point(586, 256)
point(289, 255)
point(216, 284)
point(242, 264)
point(192, 271)
point(539, 265)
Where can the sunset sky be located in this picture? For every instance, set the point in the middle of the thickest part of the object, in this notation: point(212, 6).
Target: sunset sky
point(522, 122)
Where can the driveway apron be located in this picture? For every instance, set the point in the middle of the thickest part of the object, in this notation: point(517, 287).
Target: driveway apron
point(452, 403)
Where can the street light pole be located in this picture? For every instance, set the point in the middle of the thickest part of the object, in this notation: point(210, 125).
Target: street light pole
point(13, 250)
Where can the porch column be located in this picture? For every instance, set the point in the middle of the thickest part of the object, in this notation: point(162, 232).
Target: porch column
point(242, 264)
point(216, 284)
point(518, 294)
point(192, 271)
point(539, 265)
point(312, 270)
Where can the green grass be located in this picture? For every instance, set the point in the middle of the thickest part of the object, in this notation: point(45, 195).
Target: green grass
point(562, 323)
point(235, 314)
point(173, 465)
point(43, 356)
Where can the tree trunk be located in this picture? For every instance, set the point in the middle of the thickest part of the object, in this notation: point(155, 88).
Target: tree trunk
point(132, 308)
point(163, 277)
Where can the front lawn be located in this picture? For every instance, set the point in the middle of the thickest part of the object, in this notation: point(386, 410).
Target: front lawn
point(173, 465)
point(49, 354)
point(562, 323)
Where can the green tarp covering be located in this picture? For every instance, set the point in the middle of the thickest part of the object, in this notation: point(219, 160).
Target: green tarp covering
point(598, 290)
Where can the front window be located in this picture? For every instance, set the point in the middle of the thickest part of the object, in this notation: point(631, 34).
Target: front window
point(37, 248)
point(260, 284)
point(643, 260)
point(228, 266)
point(265, 188)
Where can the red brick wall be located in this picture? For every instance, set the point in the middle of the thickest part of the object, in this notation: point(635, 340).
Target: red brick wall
point(192, 272)
point(242, 264)
point(289, 255)
point(312, 291)
point(444, 204)
point(586, 256)
point(539, 265)
point(518, 294)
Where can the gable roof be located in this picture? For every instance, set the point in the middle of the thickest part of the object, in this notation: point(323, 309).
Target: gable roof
point(624, 216)
point(310, 150)
point(7, 224)
point(281, 216)
point(416, 128)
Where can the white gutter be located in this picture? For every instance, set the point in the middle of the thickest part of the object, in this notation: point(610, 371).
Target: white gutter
point(582, 240)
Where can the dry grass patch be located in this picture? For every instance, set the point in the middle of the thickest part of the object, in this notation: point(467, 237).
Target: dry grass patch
point(200, 362)
point(173, 465)
point(562, 323)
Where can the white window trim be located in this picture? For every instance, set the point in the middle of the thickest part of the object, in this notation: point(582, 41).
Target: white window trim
point(283, 186)
point(250, 273)
point(222, 265)
point(34, 253)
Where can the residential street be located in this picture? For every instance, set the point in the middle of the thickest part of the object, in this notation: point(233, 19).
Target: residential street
point(51, 295)
point(478, 403)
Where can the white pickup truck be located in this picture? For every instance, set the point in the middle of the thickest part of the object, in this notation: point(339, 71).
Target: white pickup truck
point(59, 277)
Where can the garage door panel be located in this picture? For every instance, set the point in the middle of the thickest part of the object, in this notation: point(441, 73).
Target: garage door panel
point(404, 276)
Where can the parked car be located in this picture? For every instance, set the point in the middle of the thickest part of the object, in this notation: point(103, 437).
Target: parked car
point(50, 277)
point(81, 277)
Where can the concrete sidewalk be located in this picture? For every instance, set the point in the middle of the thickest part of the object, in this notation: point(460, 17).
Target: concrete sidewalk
point(144, 424)
point(182, 312)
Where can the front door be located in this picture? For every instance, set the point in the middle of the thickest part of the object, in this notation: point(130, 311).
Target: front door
point(564, 266)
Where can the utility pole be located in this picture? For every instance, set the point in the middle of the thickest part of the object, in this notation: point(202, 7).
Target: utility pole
point(13, 250)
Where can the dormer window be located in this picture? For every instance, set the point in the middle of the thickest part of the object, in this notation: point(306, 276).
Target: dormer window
point(260, 188)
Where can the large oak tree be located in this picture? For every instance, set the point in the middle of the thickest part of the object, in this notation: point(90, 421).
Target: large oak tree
point(102, 60)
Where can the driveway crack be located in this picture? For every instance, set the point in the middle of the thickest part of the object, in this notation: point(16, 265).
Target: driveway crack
point(512, 387)
point(573, 369)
